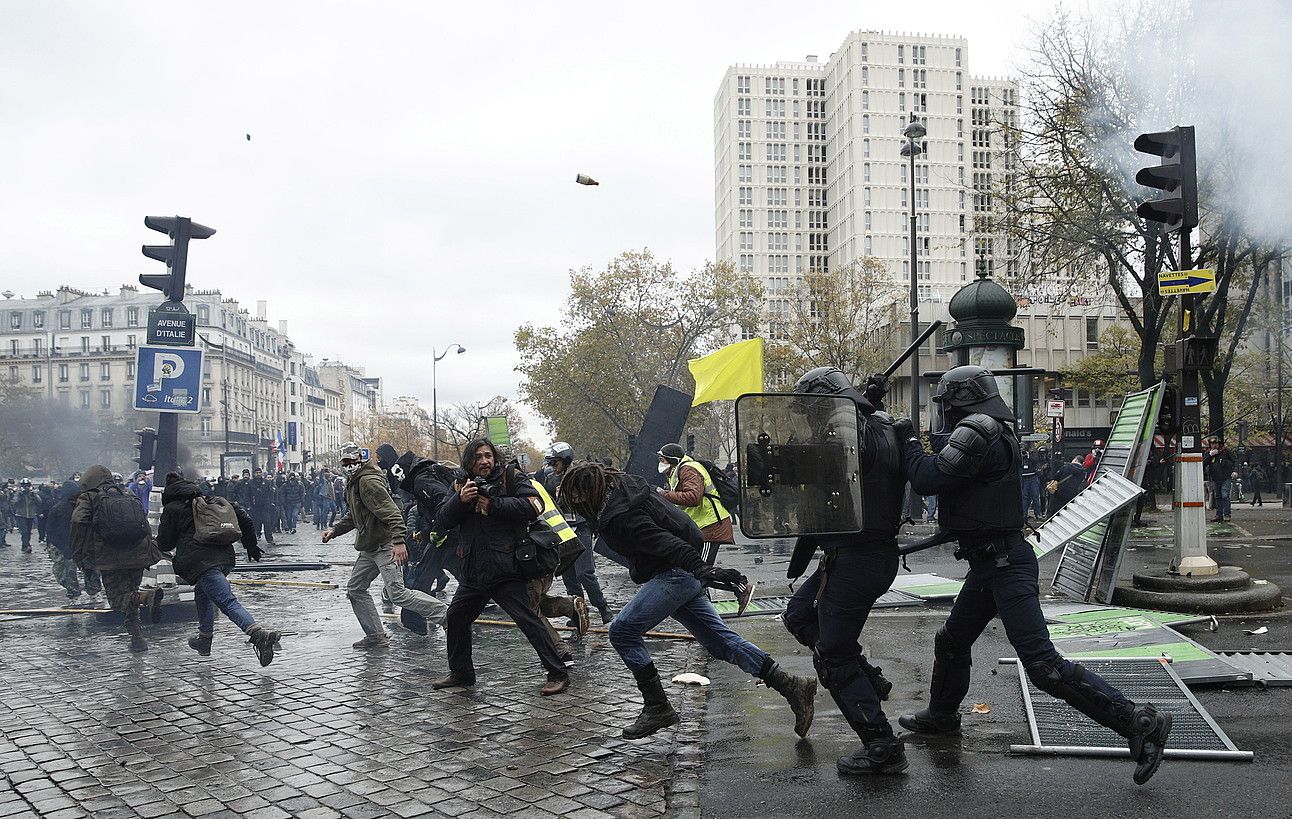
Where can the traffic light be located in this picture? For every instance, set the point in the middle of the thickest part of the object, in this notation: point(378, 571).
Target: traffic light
point(180, 229)
point(1057, 393)
point(690, 444)
point(1168, 417)
point(147, 447)
point(1176, 175)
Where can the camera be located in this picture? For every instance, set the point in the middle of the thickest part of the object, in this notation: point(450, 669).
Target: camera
point(489, 489)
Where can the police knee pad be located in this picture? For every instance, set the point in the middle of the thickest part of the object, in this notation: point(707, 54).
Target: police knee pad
point(835, 673)
point(1047, 675)
point(946, 649)
point(799, 629)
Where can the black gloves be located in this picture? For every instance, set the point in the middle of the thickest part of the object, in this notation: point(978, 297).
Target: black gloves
point(876, 389)
point(255, 553)
point(722, 578)
point(905, 430)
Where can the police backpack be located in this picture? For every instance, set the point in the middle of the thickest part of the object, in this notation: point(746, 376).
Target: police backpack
point(215, 522)
point(119, 519)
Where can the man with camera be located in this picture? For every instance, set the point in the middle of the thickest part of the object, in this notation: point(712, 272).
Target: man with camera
point(491, 507)
point(373, 513)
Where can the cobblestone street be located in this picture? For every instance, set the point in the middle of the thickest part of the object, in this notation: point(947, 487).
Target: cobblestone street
point(87, 729)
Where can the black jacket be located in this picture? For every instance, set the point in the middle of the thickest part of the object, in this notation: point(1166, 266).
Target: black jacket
point(263, 496)
point(293, 493)
point(652, 534)
point(58, 521)
point(175, 533)
point(486, 540)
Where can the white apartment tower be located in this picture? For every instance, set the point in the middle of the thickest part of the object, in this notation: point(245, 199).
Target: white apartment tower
point(809, 173)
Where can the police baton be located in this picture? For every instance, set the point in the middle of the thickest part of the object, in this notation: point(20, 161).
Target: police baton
point(915, 345)
point(939, 537)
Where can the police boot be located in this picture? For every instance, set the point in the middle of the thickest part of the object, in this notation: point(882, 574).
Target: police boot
point(928, 721)
point(201, 644)
point(883, 687)
point(656, 712)
point(1148, 732)
point(264, 642)
point(799, 692)
point(134, 627)
point(881, 753)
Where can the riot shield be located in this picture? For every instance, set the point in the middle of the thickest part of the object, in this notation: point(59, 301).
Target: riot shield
point(800, 464)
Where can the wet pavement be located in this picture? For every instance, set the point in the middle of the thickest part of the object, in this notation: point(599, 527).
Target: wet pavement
point(87, 729)
point(755, 765)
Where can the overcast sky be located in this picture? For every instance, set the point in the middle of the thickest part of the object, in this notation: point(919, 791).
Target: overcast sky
point(409, 178)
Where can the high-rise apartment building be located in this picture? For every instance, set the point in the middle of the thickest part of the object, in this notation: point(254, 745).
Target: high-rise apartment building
point(809, 174)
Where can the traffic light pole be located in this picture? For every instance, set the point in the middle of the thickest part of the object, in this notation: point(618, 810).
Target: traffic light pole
point(1189, 506)
point(167, 445)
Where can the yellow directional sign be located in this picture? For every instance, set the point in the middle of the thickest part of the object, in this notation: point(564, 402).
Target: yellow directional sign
point(1185, 282)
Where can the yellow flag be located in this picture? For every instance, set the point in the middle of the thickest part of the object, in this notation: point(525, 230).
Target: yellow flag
point(728, 372)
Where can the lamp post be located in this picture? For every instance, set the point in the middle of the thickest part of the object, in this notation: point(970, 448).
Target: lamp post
point(914, 130)
point(435, 398)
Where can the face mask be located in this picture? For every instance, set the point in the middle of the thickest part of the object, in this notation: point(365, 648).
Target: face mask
point(664, 468)
point(350, 469)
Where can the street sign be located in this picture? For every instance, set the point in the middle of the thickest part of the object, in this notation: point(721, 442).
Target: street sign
point(1054, 409)
point(1185, 282)
point(1058, 431)
point(171, 325)
point(168, 379)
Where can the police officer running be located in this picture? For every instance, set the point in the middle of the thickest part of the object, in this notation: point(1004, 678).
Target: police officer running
point(827, 613)
point(977, 472)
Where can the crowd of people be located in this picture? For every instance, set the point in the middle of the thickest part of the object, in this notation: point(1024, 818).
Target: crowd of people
point(505, 536)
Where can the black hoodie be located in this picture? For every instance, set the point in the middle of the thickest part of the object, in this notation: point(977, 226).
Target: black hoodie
point(652, 534)
point(175, 532)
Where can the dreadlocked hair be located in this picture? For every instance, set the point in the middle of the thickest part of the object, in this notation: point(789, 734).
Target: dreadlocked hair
point(584, 488)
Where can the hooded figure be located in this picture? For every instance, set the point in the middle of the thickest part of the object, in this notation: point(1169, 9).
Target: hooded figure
point(206, 566)
point(59, 545)
point(121, 566)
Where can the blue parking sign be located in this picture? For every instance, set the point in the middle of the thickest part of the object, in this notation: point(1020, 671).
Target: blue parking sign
point(168, 379)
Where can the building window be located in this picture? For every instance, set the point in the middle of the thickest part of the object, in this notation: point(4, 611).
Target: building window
point(746, 241)
point(746, 263)
point(203, 314)
point(105, 372)
point(13, 347)
point(865, 172)
point(957, 58)
point(106, 342)
point(865, 123)
point(85, 345)
point(15, 320)
point(901, 54)
point(38, 319)
point(864, 58)
point(105, 399)
point(206, 425)
point(105, 316)
point(64, 319)
point(901, 78)
point(745, 151)
point(13, 375)
point(744, 107)
point(85, 399)
point(744, 129)
point(901, 101)
point(132, 316)
point(62, 373)
point(746, 196)
point(130, 371)
point(742, 83)
point(865, 100)
point(865, 75)
point(35, 373)
point(87, 318)
point(131, 343)
point(1092, 333)
point(85, 371)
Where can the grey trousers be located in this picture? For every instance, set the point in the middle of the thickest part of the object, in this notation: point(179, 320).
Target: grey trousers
point(382, 562)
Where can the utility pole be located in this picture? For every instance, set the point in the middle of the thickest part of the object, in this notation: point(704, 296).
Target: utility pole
point(1177, 176)
point(914, 130)
point(180, 230)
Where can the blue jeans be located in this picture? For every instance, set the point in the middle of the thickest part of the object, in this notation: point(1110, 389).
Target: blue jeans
point(932, 512)
point(212, 591)
point(1032, 497)
point(1224, 491)
point(581, 578)
point(677, 594)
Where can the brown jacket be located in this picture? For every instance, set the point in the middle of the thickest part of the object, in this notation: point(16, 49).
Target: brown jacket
point(88, 549)
point(690, 492)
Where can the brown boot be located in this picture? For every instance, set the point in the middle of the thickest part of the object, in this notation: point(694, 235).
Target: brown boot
point(133, 625)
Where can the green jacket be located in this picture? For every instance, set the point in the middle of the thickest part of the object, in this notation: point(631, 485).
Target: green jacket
point(371, 511)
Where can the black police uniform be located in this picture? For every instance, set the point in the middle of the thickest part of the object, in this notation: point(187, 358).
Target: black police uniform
point(828, 612)
point(977, 476)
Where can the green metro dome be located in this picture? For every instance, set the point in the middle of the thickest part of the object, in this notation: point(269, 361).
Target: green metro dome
point(983, 312)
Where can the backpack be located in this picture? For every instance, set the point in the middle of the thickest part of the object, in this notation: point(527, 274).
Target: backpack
point(119, 518)
point(215, 522)
point(728, 492)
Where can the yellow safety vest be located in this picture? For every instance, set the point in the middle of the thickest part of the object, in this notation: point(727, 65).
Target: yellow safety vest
point(551, 517)
point(710, 510)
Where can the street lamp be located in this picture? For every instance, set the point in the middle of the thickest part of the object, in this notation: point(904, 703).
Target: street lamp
point(435, 398)
point(913, 131)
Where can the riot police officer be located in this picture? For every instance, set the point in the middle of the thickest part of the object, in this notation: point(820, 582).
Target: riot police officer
point(827, 613)
point(977, 473)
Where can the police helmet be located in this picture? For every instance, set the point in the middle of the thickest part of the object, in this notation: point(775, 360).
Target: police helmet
point(823, 381)
point(971, 389)
point(559, 451)
point(25, 482)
